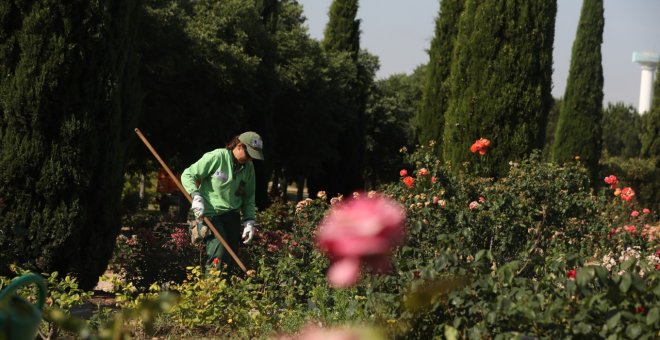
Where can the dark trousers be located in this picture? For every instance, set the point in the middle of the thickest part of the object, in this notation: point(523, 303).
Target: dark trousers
point(229, 227)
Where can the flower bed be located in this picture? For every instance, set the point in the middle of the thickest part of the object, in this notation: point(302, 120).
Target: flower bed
point(537, 253)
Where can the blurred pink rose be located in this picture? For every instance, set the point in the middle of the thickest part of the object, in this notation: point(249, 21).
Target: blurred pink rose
point(473, 205)
point(646, 211)
point(362, 230)
point(315, 332)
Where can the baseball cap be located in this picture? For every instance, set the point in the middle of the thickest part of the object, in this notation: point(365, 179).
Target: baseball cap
point(254, 144)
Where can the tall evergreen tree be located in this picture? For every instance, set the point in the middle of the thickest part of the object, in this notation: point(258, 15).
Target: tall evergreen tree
point(550, 127)
point(618, 142)
point(342, 36)
point(579, 130)
point(304, 102)
point(391, 107)
point(69, 98)
point(342, 33)
point(500, 82)
point(430, 119)
point(650, 135)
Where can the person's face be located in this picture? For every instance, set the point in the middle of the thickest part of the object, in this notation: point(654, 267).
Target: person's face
point(241, 154)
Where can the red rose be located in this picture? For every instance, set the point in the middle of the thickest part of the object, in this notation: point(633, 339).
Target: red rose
point(408, 181)
point(612, 181)
point(627, 194)
point(481, 145)
point(571, 274)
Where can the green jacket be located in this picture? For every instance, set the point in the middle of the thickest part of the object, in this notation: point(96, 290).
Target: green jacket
point(224, 184)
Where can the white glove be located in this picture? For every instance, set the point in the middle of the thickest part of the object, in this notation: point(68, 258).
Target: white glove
point(197, 205)
point(248, 231)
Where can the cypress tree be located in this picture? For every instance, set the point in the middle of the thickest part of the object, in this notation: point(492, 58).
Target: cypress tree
point(342, 33)
point(579, 130)
point(342, 36)
point(618, 142)
point(650, 135)
point(430, 118)
point(69, 98)
point(500, 82)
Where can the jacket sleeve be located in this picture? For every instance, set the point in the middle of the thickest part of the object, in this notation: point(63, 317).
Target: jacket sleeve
point(249, 210)
point(197, 172)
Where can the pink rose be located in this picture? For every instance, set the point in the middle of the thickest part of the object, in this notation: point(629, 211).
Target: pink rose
point(361, 230)
point(473, 205)
point(646, 211)
point(627, 194)
point(403, 173)
point(423, 172)
point(634, 213)
point(612, 181)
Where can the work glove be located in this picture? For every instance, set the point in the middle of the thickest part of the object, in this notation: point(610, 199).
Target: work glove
point(197, 206)
point(248, 230)
point(198, 231)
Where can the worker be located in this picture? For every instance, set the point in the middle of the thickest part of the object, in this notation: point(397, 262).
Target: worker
point(222, 185)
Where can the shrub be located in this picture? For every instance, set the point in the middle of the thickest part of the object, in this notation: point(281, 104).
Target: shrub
point(155, 252)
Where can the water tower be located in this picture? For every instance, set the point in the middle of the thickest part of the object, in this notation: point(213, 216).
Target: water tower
point(649, 62)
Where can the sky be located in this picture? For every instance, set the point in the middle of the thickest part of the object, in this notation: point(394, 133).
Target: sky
point(399, 32)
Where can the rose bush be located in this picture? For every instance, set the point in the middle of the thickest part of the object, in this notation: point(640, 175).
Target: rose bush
point(536, 253)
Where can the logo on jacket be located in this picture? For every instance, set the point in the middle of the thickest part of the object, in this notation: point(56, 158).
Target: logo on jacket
point(220, 176)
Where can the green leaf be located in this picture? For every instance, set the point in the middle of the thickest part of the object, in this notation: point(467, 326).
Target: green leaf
point(653, 316)
point(451, 333)
point(613, 321)
point(626, 280)
point(601, 273)
point(638, 282)
point(479, 255)
point(633, 330)
point(626, 265)
point(416, 227)
point(584, 276)
point(656, 291)
point(582, 328)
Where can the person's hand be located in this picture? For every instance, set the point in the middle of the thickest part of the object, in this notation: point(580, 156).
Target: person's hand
point(198, 206)
point(248, 231)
